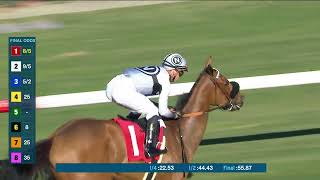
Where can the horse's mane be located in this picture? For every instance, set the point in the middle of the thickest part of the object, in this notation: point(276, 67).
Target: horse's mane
point(183, 99)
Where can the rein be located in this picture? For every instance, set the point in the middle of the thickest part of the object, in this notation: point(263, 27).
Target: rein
point(199, 113)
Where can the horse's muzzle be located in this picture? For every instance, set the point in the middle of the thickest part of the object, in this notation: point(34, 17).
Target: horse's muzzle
point(234, 106)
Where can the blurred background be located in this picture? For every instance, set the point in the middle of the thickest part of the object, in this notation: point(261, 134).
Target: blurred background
point(81, 45)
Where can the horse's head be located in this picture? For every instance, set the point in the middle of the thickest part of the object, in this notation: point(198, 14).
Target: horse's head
point(226, 94)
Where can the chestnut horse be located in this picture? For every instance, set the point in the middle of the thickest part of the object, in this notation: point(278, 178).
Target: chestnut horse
point(101, 141)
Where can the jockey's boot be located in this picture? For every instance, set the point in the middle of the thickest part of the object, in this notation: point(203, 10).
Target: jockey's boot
point(151, 141)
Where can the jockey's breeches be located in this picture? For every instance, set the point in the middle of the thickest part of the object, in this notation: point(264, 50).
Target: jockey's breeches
point(122, 91)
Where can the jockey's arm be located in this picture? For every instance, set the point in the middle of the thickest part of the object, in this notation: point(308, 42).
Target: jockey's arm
point(163, 101)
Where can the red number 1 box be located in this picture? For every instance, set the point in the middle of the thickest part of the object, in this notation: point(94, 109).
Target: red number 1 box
point(15, 50)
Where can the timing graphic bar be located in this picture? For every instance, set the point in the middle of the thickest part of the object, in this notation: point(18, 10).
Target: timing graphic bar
point(170, 167)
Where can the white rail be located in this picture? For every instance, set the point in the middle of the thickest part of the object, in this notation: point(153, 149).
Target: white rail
point(256, 82)
point(94, 97)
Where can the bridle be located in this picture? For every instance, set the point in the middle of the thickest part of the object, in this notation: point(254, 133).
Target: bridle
point(227, 106)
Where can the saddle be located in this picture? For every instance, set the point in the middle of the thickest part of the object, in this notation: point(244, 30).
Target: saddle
point(134, 132)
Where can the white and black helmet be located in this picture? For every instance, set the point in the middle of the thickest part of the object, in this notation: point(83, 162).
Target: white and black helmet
point(175, 61)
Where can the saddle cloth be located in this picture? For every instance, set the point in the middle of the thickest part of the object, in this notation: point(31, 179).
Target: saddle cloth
point(134, 138)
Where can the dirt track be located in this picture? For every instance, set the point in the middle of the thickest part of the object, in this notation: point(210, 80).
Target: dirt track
point(60, 7)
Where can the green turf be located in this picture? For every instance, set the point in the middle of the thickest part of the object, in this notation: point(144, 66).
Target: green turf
point(246, 39)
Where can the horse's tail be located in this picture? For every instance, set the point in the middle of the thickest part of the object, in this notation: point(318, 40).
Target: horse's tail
point(40, 170)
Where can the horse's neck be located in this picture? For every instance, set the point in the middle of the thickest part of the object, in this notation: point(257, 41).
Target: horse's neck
point(193, 128)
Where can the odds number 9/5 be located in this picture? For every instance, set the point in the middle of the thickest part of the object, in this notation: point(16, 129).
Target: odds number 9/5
point(26, 66)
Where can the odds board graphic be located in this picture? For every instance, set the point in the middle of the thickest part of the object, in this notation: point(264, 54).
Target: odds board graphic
point(22, 99)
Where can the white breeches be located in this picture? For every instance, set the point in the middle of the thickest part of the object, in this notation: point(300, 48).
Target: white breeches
point(122, 91)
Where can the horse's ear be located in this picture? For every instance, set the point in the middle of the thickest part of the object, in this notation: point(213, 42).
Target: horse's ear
point(208, 66)
point(209, 61)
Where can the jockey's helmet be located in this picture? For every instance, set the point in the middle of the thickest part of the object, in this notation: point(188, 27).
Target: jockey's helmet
point(175, 61)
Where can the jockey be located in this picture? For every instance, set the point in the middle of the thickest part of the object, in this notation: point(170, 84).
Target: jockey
point(130, 89)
